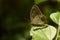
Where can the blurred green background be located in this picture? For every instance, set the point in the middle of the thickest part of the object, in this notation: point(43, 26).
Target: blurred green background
point(15, 18)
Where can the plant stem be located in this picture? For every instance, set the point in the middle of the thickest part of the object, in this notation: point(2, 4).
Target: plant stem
point(58, 29)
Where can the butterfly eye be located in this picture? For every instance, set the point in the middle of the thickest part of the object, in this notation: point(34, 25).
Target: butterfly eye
point(43, 18)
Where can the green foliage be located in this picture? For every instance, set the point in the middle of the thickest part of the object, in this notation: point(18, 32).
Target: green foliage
point(58, 0)
point(39, 1)
point(47, 9)
point(47, 33)
point(55, 17)
point(14, 26)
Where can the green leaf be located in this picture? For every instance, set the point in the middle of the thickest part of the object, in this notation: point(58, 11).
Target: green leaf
point(47, 33)
point(58, 1)
point(39, 1)
point(55, 17)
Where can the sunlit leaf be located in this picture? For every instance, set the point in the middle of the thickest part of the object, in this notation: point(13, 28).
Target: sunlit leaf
point(55, 17)
point(47, 33)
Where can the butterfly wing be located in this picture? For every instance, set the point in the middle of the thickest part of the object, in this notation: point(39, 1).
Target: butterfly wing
point(36, 16)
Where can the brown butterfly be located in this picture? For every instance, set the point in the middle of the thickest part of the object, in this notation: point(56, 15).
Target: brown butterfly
point(36, 16)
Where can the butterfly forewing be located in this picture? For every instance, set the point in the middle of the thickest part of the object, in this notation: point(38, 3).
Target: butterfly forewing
point(36, 17)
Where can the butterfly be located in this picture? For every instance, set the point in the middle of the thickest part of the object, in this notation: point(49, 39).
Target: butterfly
point(36, 17)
